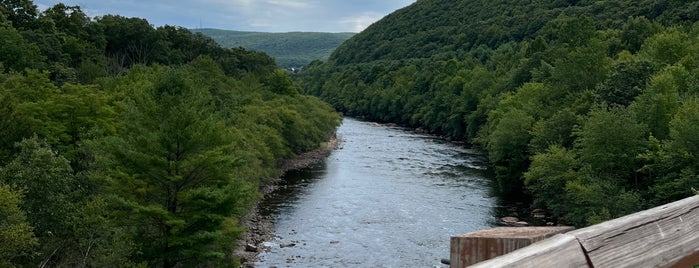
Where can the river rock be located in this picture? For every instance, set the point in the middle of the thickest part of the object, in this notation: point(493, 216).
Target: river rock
point(287, 245)
point(509, 220)
point(251, 248)
point(521, 224)
point(539, 213)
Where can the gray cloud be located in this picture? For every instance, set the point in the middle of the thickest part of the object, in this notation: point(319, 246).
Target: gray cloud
point(247, 15)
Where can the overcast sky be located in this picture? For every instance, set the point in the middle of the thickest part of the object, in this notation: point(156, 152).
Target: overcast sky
point(246, 15)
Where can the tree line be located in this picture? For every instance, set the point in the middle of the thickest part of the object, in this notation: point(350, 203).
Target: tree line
point(290, 50)
point(587, 114)
point(133, 146)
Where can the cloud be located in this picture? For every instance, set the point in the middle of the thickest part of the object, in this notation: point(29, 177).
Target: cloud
point(358, 23)
point(247, 15)
point(291, 4)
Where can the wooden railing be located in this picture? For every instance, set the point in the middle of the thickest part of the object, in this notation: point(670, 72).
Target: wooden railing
point(665, 236)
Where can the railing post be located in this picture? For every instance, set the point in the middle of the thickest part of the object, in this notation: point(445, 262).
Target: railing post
point(474, 247)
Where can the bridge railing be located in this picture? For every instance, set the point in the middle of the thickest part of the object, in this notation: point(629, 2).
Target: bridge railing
point(664, 236)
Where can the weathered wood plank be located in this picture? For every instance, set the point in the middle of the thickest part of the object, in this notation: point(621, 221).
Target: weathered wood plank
point(658, 237)
point(471, 248)
point(562, 250)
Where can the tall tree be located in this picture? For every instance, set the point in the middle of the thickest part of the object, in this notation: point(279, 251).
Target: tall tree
point(20, 12)
point(18, 241)
point(173, 184)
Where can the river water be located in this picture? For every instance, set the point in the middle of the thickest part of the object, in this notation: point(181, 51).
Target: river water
point(388, 197)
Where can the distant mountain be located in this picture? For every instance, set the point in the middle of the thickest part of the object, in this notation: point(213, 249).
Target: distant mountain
point(294, 49)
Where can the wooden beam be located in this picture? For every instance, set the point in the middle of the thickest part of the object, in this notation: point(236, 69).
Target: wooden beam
point(658, 237)
point(562, 250)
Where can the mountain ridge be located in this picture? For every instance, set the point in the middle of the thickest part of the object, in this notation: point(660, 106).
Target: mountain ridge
point(290, 49)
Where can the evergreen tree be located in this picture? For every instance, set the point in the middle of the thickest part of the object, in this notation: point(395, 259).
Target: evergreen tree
point(173, 183)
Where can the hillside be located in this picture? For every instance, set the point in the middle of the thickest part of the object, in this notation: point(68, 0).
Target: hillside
point(585, 108)
point(294, 49)
point(126, 145)
point(453, 28)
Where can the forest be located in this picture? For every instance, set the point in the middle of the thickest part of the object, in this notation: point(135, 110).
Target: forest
point(126, 145)
point(289, 50)
point(587, 109)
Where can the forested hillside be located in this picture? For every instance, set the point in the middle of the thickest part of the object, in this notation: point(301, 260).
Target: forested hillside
point(290, 50)
point(124, 145)
point(589, 108)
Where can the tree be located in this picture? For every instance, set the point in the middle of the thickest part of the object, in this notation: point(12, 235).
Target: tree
point(18, 241)
point(548, 176)
point(17, 53)
point(507, 149)
point(50, 194)
point(20, 12)
point(172, 184)
point(674, 163)
point(660, 102)
point(636, 30)
point(667, 47)
point(609, 142)
point(48, 185)
point(625, 82)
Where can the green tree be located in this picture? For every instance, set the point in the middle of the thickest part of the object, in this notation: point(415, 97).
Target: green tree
point(609, 141)
point(660, 102)
point(625, 82)
point(548, 176)
point(50, 194)
point(172, 184)
point(20, 12)
point(636, 30)
point(18, 241)
point(667, 47)
point(17, 53)
point(674, 163)
point(554, 131)
point(507, 149)
point(592, 199)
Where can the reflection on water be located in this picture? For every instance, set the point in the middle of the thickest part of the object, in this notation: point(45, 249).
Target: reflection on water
point(386, 198)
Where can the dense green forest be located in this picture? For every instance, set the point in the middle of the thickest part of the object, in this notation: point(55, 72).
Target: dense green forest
point(590, 109)
point(290, 50)
point(125, 145)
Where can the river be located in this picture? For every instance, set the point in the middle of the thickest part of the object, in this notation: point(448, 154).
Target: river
point(387, 197)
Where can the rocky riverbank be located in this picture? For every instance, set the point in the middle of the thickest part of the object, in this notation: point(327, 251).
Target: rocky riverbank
point(260, 228)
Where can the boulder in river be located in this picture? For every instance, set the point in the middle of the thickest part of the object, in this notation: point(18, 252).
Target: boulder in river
point(287, 245)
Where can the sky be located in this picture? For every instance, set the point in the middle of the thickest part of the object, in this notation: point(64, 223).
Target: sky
point(246, 15)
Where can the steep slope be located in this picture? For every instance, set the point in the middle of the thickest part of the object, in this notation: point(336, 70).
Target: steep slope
point(294, 49)
point(452, 28)
point(584, 107)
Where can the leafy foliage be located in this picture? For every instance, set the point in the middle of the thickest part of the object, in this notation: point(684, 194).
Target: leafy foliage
point(15, 232)
point(574, 102)
point(131, 146)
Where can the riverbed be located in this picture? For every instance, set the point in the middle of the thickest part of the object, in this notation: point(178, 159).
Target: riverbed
point(387, 197)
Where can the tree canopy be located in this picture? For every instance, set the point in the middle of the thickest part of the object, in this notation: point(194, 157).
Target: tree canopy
point(579, 105)
point(133, 146)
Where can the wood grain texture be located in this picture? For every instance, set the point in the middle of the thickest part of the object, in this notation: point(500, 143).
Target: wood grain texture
point(560, 251)
point(658, 237)
point(474, 247)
